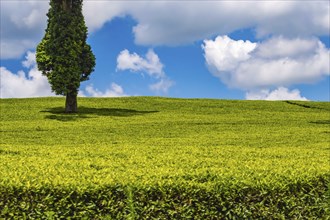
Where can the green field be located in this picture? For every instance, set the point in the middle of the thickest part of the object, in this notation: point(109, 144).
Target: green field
point(162, 158)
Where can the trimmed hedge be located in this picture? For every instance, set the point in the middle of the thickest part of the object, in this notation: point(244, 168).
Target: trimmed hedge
point(296, 201)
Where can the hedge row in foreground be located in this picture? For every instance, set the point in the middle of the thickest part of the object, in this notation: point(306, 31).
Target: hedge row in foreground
point(296, 201)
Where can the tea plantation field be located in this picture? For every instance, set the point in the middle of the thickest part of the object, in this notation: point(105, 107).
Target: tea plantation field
point(162, 158)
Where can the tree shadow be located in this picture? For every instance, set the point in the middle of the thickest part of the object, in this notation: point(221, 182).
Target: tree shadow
point(85, 112)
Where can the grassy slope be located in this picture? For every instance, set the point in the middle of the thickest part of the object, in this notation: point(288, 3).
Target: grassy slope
point(155, 141)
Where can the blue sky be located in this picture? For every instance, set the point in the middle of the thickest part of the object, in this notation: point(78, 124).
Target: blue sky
point(271, 50)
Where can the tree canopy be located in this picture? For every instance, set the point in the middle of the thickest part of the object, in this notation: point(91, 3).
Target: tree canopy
point(63, 55)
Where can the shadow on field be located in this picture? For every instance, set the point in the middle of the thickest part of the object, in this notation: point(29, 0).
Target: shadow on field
point(84, 112)
point(305, 105)
point(321, 122)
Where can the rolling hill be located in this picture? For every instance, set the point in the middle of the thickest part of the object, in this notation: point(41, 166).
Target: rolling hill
point(164, 158)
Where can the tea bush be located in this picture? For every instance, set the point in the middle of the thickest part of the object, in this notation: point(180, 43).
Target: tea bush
point(162, 158)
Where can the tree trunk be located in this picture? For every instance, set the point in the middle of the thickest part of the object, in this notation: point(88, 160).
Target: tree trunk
point(71, 105)
point(67, 5)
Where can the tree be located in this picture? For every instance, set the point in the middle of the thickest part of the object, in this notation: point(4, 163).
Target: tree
point(63, 54)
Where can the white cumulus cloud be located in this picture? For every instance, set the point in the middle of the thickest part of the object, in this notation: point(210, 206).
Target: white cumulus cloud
point(223, 55)
point(173, 23)
point(22, 26)
point(33, 84)
point(279, 46)
point(21, 84)
point(151, 65)
point(280, 93)
point(115, 90)
point(162, 86)
point(133, 62)
point(277, 62)
point(169, 22)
